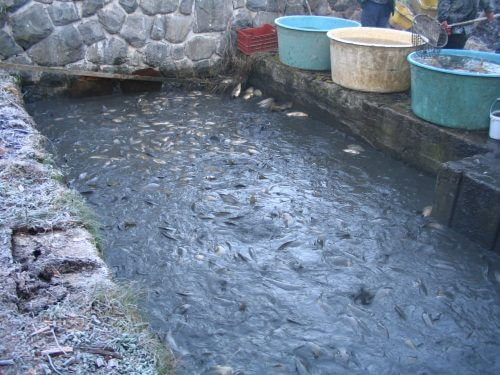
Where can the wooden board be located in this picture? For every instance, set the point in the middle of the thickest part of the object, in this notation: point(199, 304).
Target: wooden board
point(65, 71)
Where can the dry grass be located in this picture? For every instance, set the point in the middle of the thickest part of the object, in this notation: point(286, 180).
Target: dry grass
point(122, 302)
point(33, 197)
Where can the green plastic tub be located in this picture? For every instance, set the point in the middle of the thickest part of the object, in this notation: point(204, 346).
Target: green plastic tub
point(452, 98)
point(302, 40)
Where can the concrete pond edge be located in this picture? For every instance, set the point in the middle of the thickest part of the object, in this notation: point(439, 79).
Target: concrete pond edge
point(60, 310)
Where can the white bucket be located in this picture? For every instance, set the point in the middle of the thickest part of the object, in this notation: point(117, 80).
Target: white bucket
point(494, 121)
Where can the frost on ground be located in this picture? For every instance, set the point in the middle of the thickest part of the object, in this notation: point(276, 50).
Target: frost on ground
point(59, 311)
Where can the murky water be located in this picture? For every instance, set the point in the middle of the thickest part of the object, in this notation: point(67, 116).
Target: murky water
point(458, 63)
point(271, 244)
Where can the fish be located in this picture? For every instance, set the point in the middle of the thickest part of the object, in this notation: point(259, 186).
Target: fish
point(297, 114)
point(281, 107)
point(249, 90)
point(364, 297)
point(252, 254)
point(243, 257)
point(421, 287)
point(354, 149)
point(266, 103)
point(224, 370)
point(182, 309)
point(236, 91)
point(433, 225)
point(173, 345)
point(166, 235)
point(400, 312)
point(184, 294)
point(229, 199)
point(301, 368)
point(293, 320)
point(427, 319)
point(247, 96)
point(283, 285)
point(220, 250)
point(427, 211)
point(257, 93)
point(409, 343)
point(252, 200)
point(285, 245)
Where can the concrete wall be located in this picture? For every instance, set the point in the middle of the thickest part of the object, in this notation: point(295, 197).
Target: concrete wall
point(123, 35)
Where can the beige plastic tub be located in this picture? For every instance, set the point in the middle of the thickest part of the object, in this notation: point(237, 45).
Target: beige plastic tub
point(371, 59)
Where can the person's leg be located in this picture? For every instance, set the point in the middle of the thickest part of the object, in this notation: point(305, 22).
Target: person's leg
point(383, 14)
point(369, 14)
point(456, 41)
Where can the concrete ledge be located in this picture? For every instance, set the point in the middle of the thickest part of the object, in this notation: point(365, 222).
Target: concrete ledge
point(383, 120)
point(468, 198)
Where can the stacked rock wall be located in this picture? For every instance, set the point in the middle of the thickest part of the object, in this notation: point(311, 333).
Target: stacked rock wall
point(124, 35)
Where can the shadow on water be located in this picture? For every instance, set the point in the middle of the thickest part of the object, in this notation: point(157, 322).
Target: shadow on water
point(263, 245)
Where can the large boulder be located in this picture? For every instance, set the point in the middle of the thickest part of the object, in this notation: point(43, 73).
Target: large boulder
point(158, 28)
point(157, 54)
point(154, 7)
point(13, 5)
point(31, 25)
point(63, 13)
point(178, 52)
point(91, 32)
point(200, 47)
point(90, 7)
point(320, 7)
point(136, 29)
point(276, 5)
point(112, 18)
point(64, 46)
point(111, 51)
point(242, 18)
point(211, 15)
point(178, 28)
point(8, 46)
point(129, 5)
point(265, 17)
point(186, 7)
point(257, 5)
point(237, 4)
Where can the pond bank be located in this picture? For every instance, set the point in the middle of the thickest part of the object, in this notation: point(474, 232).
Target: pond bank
point(59, 309)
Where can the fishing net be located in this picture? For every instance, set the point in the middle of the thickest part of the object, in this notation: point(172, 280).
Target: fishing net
point(427, 34)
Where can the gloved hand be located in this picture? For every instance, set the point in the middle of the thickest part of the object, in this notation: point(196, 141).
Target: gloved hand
point(489, 16)
point(445, 27)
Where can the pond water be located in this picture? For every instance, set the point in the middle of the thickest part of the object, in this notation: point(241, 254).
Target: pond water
point(275, 245)
point(463, 64)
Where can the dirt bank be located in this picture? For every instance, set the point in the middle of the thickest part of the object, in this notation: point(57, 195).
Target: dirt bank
point(59, 310)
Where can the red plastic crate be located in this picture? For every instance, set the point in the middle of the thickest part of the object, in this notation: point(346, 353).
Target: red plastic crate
point(257, 39)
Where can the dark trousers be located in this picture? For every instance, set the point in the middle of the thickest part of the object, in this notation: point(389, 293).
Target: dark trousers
point(375, 15)
point(456, 41)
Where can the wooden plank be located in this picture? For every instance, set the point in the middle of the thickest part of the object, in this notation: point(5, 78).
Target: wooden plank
point(83, 73)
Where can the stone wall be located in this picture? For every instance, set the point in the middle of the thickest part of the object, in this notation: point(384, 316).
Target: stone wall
point(124, 35)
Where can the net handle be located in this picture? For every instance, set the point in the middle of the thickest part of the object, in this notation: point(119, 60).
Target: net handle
point(472, 21)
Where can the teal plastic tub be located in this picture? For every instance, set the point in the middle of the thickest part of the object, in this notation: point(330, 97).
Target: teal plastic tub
point(452, 98)
point(302, 40)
